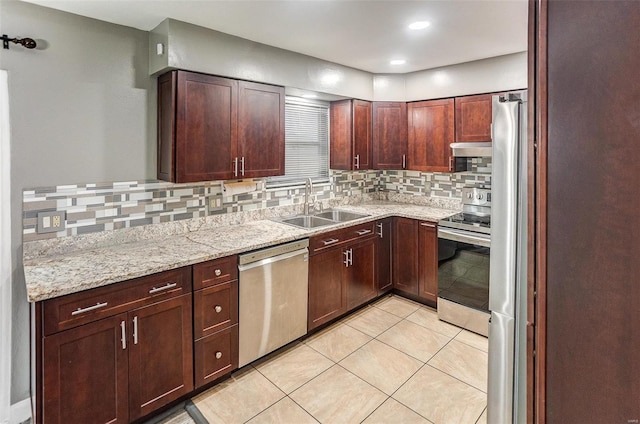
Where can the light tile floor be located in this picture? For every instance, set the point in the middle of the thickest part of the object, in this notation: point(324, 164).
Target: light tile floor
point(391, 362)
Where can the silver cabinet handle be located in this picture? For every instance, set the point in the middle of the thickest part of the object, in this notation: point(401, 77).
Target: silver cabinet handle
point(218, 355)
point(330, 241)
point(362, 232)
point(218, 308)
point(123, 335)
point(357, 158)
point(217, 272)
point(428, 224)
point(404, 161)
point(450, 163)
point(90, 308)
point(242, 166)
point(351, 256)
point(135, 330)
point(379, 225)
point(235, 167)
point(163, 288)
point(346, 258)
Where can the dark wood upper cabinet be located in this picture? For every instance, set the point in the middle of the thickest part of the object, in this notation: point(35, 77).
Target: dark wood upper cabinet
point(350, 135)
point(473, 118)
point(213, 128)
point(389, 142)
point(431, 128)
point(260, 129)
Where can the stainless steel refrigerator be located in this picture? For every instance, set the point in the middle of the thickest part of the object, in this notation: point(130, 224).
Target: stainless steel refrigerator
point(506, 394)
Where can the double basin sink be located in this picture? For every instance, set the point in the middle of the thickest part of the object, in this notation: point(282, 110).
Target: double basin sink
point(321, 219)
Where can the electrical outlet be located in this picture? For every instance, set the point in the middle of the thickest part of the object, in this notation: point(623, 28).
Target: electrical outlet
point(214, 203)
point(51, 222)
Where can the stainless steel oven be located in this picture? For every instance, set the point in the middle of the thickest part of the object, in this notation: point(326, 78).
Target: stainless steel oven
point(464, 247)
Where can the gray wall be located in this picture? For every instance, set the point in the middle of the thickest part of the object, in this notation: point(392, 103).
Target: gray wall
point(82, 109)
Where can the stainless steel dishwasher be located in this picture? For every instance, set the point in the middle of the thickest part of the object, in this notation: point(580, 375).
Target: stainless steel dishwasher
point(273, 286)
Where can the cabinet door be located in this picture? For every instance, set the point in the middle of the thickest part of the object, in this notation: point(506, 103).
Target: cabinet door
point(340, 131)
point(389, 142)
point(260, 129)
point(85, 374)
point(473, 118)
point(431, 131)
point(160, 355)
point(405, 255)
point(327, 293)
point(428, 265)
point(206, 127)
point(216, 355)
point(361, 134)
point(383, 256)
point(359, 276)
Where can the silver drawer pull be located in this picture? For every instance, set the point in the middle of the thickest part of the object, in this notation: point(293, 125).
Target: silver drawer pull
point(217, 272)
point(330, 241)
point(218, 355)
point(163, 288)
point(363, 232)
point(379, 225)
point(428, 224)
point(90, 308)
point(218, 308)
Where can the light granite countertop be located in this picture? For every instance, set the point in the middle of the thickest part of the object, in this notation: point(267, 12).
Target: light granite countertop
point(57, 274)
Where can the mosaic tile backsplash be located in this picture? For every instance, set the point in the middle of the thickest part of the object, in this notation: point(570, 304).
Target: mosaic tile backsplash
point(98, 207)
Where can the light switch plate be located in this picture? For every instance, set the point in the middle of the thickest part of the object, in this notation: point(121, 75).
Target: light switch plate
point(51, 222)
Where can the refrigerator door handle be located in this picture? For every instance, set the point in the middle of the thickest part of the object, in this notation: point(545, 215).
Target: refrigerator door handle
point(501, 361)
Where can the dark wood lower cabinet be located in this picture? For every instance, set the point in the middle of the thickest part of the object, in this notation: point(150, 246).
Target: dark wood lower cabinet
point(405, 255)
point(216, 355)
point(359, 276)
point(428, 264)
point(415, 258)
point(327, 294)
point(86, 374)
point(383, 255)
point(161, 355)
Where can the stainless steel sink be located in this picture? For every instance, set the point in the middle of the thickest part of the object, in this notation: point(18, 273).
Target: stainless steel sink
point(307, 221)
point(320, 219)
point(340, 216)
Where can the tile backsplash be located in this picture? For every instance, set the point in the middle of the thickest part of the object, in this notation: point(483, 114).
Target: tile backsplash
point(98, 207)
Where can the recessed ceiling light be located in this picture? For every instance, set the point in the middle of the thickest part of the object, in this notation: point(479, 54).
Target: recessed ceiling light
point(398, 62)
point(419, 25)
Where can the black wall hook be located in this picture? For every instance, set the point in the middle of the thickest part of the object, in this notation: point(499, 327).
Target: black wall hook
point(28, 43)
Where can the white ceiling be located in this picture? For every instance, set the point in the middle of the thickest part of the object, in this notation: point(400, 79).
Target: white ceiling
point(362, 34)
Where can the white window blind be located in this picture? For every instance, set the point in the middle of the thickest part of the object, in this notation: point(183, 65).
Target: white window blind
point(306, 142)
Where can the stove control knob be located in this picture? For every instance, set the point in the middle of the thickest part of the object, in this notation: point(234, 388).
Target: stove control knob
point(469, 195)
point(480, 196)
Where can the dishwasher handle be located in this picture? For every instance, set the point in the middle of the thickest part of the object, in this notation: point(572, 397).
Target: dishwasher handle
point(273, 259)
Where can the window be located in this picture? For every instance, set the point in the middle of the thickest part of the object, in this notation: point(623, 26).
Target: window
point(306, 142)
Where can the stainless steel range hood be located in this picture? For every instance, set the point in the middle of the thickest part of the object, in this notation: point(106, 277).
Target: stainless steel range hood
point(473, 150)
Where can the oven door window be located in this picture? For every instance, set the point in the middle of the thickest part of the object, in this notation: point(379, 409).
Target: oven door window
point(463, 273)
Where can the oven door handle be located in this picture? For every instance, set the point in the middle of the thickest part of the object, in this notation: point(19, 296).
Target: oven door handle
point(463, 237)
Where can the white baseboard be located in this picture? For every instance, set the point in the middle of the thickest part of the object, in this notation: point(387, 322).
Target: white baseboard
point(21, 411)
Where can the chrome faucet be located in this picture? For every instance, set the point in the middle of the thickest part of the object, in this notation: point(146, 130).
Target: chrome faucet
point(308, 187)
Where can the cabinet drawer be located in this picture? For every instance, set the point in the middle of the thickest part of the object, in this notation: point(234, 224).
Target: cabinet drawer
point(215, 308)
point(215, 272)
point(216, 355)
point(339, 237)
point(80, 308)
